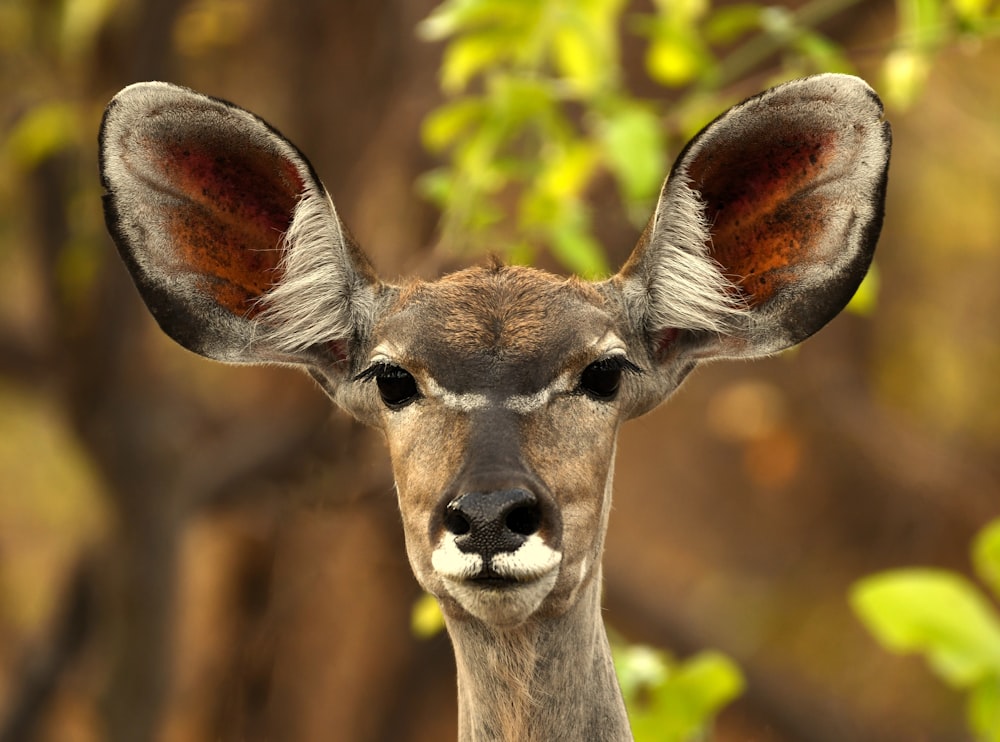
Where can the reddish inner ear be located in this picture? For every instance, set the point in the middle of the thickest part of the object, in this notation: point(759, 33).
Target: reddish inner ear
point(759, 202)
point(239, 202)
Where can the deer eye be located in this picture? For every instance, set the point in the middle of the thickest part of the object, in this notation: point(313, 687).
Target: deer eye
point(602, 378)
point(396, 385)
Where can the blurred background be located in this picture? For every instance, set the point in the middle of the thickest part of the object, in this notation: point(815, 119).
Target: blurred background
point(194, 552)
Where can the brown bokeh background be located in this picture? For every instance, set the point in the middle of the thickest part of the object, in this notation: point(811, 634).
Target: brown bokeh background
point(195, 552)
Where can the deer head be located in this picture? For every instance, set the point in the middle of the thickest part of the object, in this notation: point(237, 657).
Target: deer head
point(500, 390)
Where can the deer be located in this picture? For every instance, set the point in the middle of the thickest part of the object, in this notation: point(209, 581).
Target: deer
point(500, 389)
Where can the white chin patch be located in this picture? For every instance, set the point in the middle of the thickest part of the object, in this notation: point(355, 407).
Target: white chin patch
point(534, 565)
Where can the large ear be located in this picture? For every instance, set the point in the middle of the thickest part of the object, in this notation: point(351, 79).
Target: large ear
point(766, 225)
point(228, 233)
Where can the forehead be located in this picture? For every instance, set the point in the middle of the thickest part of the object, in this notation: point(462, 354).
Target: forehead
point(508, 324)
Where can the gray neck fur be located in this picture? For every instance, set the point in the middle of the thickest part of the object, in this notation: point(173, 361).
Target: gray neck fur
point(551, 676)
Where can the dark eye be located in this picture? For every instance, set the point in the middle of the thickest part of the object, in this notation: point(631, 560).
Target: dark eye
point(601, 378)
point(396, 386)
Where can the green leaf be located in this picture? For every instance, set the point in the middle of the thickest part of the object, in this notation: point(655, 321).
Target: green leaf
point(638, 667)
point(449, 121)
point(42, 132)
point(567, 170)
point(971, 8)
point(921, 30)
point(635, 149)
point(865, 299)
point(729, 23)
point(682, 11)
point(426, 619)
point(575, 247)
point(585, 45)
point(971, 14)
point(463, 16)
point(466, 57)
point(904, 73)
point(521, 253)
point(675, 58)
point(582, 62)
point(705, 683)
point(677, 53)
point(670, 701)
point(986, 556)
point(437, 186)
point(475, 157)
point(82, 21)
point(983, 710)
point(937, 613)
point(921, 23)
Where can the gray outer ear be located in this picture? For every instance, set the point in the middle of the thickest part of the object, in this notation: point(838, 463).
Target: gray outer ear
point(229, 235)
point(766, 225)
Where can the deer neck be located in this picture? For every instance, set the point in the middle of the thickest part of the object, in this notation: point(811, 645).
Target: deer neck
point(548, 679)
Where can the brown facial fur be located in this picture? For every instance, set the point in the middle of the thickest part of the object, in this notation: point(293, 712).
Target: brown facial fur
point(492, 333)
point(480, 321)
point(578, 470)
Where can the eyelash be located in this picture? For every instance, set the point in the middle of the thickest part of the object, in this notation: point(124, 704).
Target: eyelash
point(375, 370)
point(618, 362)
point(396, 385)
point(602, 378)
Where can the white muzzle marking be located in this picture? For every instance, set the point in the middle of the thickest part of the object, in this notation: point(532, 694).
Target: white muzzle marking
point(533, 566)
point(530, 561)
point(452, 563)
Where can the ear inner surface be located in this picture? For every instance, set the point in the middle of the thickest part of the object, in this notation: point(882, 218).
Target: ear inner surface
point(235, 207)
point(765, 210)
point(793, 184)
point(790, 187)
point(222, 204)
point(207, 203)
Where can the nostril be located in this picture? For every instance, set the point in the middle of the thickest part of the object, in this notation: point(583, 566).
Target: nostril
point(455, 522)
point(524, 520)
point(492, 522)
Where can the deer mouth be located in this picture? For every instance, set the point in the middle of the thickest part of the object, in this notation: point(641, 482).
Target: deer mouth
point(488, 578)
point(501, 601)
point(503, 588)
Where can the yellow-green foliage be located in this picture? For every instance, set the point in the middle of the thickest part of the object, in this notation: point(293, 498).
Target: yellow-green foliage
point(669, 700)
point(538, 111)
point(947, 619)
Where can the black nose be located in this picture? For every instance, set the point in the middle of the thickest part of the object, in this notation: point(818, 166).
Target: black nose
point(488, 523)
